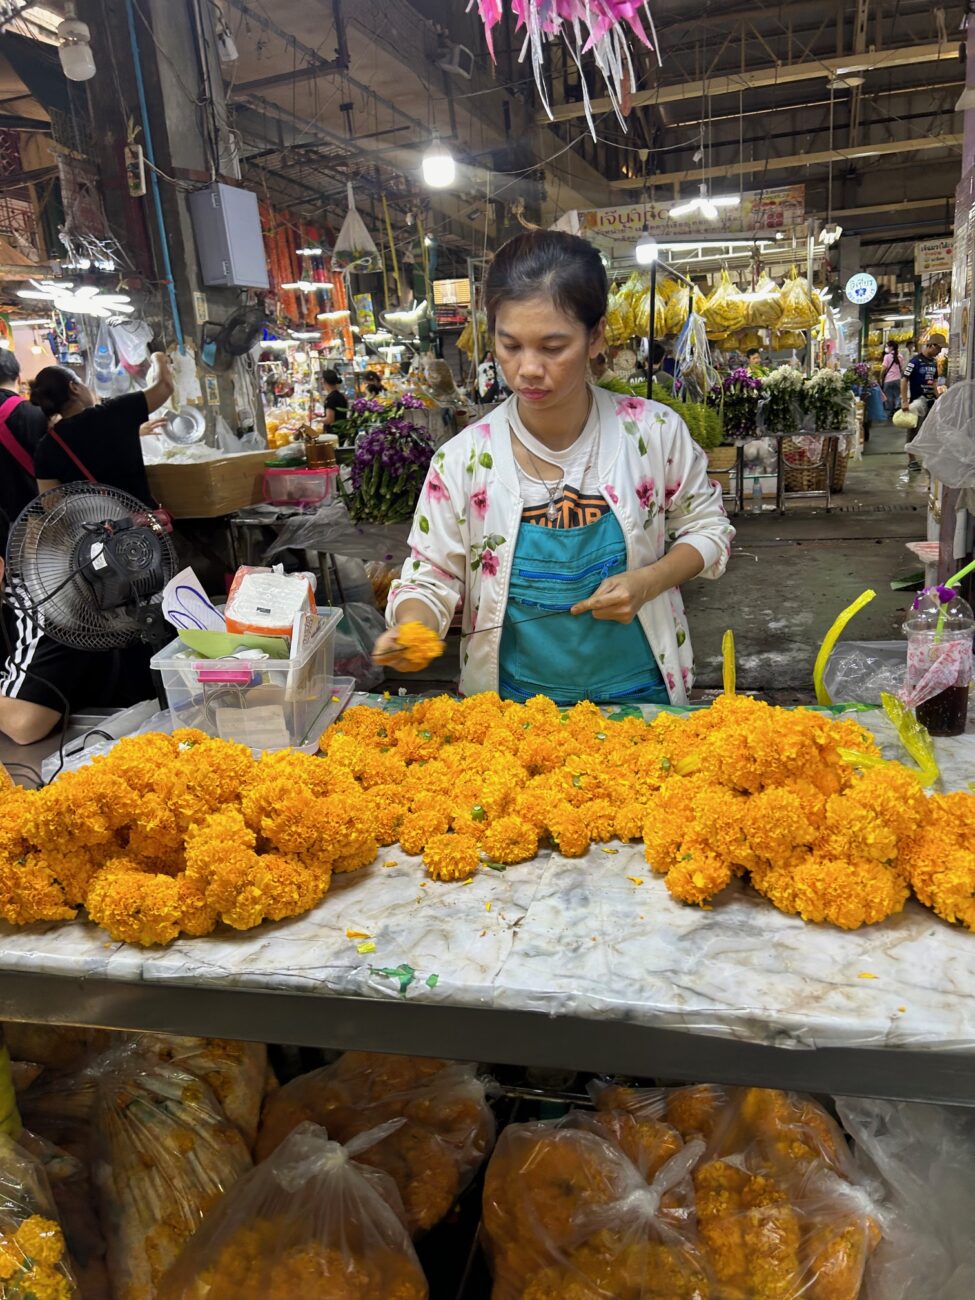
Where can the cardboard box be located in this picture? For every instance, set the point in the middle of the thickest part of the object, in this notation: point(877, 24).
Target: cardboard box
point(211, 487)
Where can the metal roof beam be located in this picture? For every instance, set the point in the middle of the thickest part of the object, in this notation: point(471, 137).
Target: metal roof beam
point(779, 74)
point(793, 162)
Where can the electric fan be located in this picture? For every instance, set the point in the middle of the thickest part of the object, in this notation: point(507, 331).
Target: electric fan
point(92, 563)
point(222, 344)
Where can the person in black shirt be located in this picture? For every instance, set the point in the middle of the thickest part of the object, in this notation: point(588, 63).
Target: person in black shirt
point(336, 403)
point(41, 677)
point(26, 425)
point(103, 439)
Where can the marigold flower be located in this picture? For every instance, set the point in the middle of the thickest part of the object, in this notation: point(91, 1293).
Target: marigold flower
point(418, 828)
point(509, 839)
point(418, 645)
point(568, 830)
point(451, 857)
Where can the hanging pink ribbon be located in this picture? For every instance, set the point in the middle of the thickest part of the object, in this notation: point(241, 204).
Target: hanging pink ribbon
point(597, 27)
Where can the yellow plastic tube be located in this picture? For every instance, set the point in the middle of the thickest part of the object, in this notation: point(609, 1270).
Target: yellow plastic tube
point(830, 640)
point(729, 673)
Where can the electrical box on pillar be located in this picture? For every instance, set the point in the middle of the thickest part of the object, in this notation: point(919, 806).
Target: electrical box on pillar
point(227, 228)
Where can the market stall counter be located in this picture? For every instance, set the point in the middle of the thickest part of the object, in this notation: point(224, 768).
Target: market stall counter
point(586, 963)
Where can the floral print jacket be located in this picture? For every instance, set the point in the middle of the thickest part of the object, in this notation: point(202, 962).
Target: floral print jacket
point(655, 479)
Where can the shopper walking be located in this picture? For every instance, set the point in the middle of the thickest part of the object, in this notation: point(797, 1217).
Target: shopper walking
point(919, 384)
point(568, 500)
point(891, 374)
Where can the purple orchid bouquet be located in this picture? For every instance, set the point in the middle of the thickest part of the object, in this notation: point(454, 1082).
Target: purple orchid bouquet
point(737, 397)
point(390, 465)
point(366, 413)
point(856, 376)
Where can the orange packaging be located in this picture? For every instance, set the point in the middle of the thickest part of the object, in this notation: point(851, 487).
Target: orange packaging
point(265, 602)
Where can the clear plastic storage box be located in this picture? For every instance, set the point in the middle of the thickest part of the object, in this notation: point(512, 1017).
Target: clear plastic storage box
point(263, 703)
point(299, 486)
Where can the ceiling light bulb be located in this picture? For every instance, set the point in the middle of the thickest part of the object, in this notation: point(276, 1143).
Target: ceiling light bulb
point(830, 233)
point(74, 51)
point(725, 200)
point(646, 248)
point(309, 252)
point(708, 209)
point(439, 168)
point(683, 209)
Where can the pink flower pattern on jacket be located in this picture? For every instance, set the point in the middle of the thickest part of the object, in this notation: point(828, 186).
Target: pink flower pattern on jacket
point(479, 502)
point(489, 563)
point(646, 493)
point(436, 487)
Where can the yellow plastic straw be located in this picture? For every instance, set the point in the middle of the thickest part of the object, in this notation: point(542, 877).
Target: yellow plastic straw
point(729, 672)
point(830, 640)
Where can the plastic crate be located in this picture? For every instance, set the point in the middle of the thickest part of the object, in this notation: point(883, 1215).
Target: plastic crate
point(267, 703)
point(299, 487)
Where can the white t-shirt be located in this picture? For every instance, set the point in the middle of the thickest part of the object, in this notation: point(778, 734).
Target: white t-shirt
point(578, 464)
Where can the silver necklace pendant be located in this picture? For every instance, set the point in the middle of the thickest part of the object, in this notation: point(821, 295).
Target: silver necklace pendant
point(552, 511)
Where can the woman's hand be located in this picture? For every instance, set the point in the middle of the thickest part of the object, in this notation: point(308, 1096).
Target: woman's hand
point(620, 599)
point(388, 654)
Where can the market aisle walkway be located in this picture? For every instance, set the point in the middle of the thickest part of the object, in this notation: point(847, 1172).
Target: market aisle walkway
point(790, 576)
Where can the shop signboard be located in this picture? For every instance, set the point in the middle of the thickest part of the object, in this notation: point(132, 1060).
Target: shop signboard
point(768, 210)
point(933, 256)
point(861, 288)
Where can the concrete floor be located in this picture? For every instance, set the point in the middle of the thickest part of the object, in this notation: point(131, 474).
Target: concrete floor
point(790, 575)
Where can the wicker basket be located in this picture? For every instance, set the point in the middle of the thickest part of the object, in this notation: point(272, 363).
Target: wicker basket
point(805, 473)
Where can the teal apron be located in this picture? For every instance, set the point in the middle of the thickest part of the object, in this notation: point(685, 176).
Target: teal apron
point(571, 658)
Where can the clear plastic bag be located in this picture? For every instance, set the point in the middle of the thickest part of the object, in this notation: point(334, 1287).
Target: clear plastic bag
point(164, 1154)
point(799, 310)
point(692, 357)
point(725, 311)
point(234, 1071)
point(354, 247)
point(945, 444)
point(568, 1217)
point(311, 1222)
point(381, 576)
point(355, 637)
point(859, 672)
point(922, 1157)
point(448, 1131)
point(780, 1209)
point(33, 1255)
point(763, 305)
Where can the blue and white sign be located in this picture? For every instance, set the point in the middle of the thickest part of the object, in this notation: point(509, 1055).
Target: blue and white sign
point(861, 288)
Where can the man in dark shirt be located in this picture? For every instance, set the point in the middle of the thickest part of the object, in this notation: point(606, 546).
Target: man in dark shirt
point(919, 383)
point(105, 439)
point(27, 426)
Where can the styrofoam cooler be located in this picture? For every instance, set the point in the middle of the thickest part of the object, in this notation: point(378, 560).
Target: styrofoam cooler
point(265, 703)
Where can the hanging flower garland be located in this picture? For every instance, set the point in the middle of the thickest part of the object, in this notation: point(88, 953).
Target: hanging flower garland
point(599, 27)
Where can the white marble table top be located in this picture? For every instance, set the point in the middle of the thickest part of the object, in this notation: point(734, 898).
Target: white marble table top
point(597, 936)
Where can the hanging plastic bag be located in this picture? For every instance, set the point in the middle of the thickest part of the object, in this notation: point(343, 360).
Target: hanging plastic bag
point(799, 311)
point(724, 310)
point(312, 1221)
point(566, 1214)
point(104, 362)
point(763, 304)
point(945, 445)
point(164, 1155)
point(448, 1131)
point(355, 249)
point(692, 358)
point(676, 312)
point(33, 1256)
point(922, 1158)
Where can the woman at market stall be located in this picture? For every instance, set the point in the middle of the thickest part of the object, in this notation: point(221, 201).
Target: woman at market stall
point(336, 402)
point(98, 441)
point(565, 523)
point(40, 678)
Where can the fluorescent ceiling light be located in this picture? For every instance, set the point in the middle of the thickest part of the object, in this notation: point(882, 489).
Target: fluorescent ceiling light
point(40, 320)
point(309, 252)
point(705, 204)
point(682, 209)
point(86, 301)
point(308, 286)
point(306, 334)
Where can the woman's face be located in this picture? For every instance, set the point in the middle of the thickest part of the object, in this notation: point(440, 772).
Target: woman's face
point(543, 351)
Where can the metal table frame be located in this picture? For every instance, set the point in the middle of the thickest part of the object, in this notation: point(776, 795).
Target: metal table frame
point(495, 1035)
point(826, 492)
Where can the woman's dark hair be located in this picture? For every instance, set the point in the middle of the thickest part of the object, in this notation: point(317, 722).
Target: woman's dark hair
point(52, 389)
point(331, 377)
point(753, 352)
point(562, 267)
point(659, 353)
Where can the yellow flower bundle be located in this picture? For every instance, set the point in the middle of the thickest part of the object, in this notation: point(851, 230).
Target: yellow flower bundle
point(738, 790)
point(175, 834)
point(33, 1261)
point(418, 645)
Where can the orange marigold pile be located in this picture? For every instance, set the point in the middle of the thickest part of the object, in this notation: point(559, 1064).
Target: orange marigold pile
point(176, 834)
point(741, 789)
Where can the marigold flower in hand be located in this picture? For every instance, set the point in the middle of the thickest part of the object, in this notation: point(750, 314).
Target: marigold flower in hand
point(418, 645)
